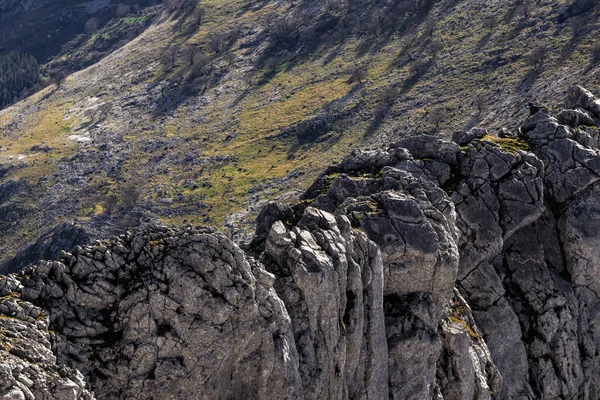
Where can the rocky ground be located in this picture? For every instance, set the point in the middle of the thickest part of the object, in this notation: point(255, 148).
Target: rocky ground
point(426, 269)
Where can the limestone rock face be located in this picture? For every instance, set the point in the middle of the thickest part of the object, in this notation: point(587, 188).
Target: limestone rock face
point(396, 200)
point(465, 367)
point(421, 270)
point(169, 313)
point(28, 367)
point(331, 281)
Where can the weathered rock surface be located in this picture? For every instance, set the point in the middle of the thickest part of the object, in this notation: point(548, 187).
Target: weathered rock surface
point(331, 281)
point(174, 314)
point(423, 270)
point(28, 367)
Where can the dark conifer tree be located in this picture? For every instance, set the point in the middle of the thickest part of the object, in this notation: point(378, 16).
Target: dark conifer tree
point(18, 73)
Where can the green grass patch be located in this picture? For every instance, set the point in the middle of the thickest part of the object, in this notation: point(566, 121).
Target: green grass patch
point(509, 144)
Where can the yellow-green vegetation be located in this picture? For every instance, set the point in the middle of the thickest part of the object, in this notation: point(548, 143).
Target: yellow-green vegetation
point(294, 105)
point(512, 145)
point(458, 315)
point(135, 19)
point(11, 295)
point(9, 318)
point(40, 145)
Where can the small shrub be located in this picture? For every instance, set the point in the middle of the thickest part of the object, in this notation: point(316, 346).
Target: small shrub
point(537, 57)
point(130, 196)
point(197, 17)
point(524, 9)
point(358, 75)
point(479, 103)
point(122, 10)
point(435, 117)
point(490, 23)
point(191, 53)
point(110, 204)
point(169, 57)
point(387, 98)
point(92, 25)
point(283, 32)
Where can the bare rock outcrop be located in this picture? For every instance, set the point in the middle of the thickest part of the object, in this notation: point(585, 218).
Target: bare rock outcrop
point(171, 313)
point(395, 198)
point(28, 367)
point(330, 279)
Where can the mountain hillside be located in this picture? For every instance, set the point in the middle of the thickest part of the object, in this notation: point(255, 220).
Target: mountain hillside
point(216, 107)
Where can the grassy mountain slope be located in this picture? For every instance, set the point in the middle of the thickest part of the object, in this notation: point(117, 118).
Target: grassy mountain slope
point(200, 118)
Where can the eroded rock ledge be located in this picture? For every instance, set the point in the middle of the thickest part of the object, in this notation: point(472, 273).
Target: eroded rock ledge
point(424, 270)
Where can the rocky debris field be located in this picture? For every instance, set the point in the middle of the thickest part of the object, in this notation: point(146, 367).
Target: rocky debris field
point(427, 269)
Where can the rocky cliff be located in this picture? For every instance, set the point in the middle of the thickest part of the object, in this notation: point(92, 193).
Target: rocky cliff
point(427, 269)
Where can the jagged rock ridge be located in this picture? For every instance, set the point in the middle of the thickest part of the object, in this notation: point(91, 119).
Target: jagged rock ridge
point(423, 270)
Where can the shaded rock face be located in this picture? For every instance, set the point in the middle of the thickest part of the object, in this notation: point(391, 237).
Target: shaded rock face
point(423, 270)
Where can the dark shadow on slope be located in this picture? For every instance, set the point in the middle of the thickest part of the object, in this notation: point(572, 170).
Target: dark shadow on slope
point(389, 96)
point(179, 91)
point(87, 49)
point(374, 126)
point(594, 61)
point(322, 128)
point(395, 18)
point(333, 53)
point(239, 98)
point(529, 79)
point(189, 71)
point(577, 8)
point(253, 6)
point(483, 42)
point(405, 56)
point(65, 236)
point(510, 14)
point(386, 100)
point(301, 34)
point(473, 121)
point(292, 40)
point(188, 19)
point(581, 27)
point(516, 31)
point(417, 71)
